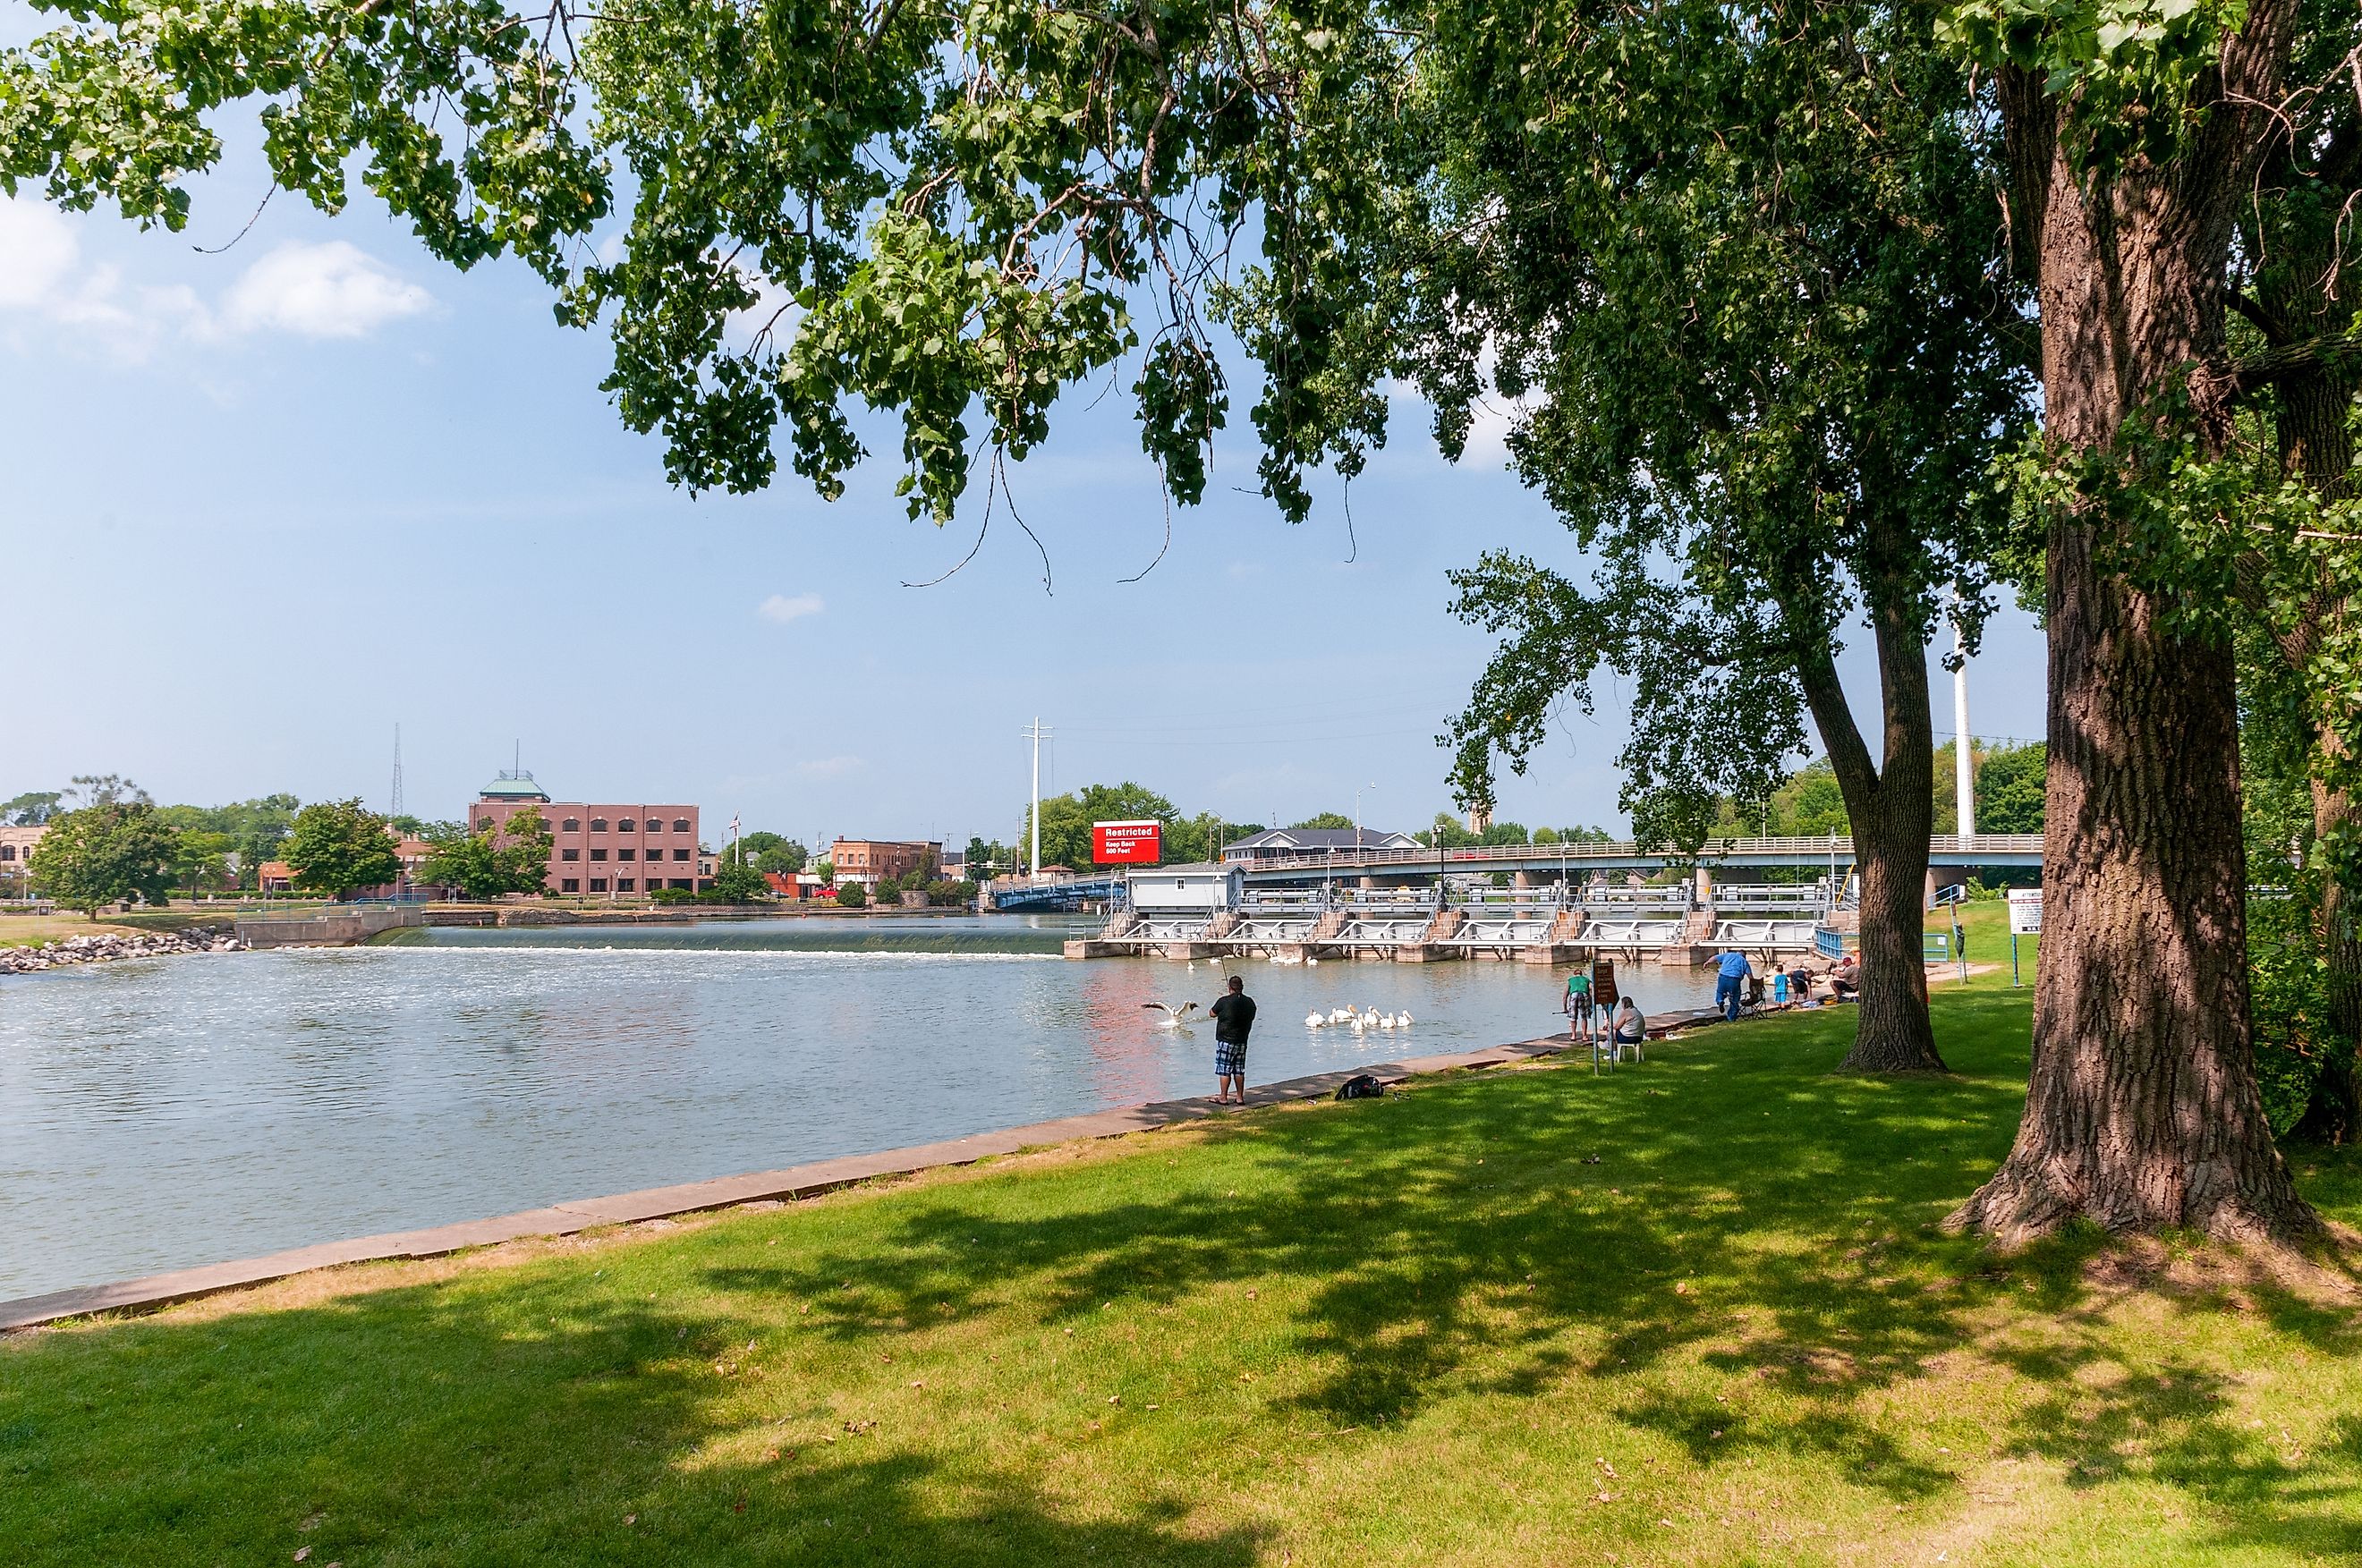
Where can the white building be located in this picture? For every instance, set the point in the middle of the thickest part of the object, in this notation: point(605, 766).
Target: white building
point(1199, 889)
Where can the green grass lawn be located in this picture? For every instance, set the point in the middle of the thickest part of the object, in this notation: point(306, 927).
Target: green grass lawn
point(1695, 1312)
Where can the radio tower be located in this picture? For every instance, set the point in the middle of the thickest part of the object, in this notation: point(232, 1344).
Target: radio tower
point(397, 771)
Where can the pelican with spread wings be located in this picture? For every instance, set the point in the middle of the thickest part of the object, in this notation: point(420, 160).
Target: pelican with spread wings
point(1174, 1017)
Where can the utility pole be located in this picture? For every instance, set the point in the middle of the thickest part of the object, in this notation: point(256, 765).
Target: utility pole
point(1964, 783)
point(1037, 734)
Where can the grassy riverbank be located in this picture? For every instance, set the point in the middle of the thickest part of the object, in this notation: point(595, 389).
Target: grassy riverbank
point(1697, 1312)
point(38, 930)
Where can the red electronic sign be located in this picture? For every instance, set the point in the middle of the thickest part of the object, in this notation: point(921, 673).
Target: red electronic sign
point(1126, 843)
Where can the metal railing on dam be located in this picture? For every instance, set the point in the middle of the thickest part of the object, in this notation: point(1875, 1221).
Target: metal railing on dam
point(1948, 850)
point(1550, 924)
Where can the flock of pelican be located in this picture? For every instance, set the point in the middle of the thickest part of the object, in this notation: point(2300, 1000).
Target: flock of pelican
point(1360, 1021)
point(1369, 1018)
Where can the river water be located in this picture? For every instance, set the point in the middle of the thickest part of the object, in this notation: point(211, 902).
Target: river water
point(158, 1113)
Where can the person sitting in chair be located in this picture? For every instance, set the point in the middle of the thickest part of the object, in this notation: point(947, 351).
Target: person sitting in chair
point(1631, 1025)
point(1846, 979)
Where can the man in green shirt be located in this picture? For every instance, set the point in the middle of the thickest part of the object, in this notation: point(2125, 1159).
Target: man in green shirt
point(1577, 1005)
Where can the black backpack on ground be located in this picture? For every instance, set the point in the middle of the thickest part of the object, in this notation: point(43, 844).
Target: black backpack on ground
point(1361, 1086)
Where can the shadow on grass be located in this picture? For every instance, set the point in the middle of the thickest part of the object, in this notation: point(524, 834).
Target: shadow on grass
point(410, 1426)
point(1748, 1207)
point(1734, 1204)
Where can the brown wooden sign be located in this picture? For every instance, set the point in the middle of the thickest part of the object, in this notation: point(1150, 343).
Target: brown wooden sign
point(1603, 983)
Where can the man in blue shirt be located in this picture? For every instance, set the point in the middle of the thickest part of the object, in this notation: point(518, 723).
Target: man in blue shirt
point(1730, 982)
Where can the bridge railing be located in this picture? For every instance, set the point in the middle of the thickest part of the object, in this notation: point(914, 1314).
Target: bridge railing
point(1751, 897)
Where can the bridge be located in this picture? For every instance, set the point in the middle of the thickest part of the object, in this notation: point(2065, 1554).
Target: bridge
point(1580, 862)
point(1067, 893)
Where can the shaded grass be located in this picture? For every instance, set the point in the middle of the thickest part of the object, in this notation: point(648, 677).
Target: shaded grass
point(1697, 1312)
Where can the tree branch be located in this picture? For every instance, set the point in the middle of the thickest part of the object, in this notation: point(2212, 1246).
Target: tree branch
point(2245, 377)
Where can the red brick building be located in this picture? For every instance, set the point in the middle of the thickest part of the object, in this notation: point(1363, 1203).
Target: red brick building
point(871, 861)
point(623, 850)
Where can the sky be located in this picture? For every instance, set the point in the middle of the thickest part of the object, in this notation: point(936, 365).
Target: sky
point(265, 498)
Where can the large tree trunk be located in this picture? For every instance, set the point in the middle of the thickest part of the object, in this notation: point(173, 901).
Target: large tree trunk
point(2142, 1111)
point(1891, 1029)
point(1890, 807)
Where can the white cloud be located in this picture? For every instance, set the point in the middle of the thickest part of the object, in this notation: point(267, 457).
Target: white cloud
point(774, 311)
point(315, 290)
point(830, 767)
point(42, 274)
point(782, 609)
point(331, 289)
point(36, 252)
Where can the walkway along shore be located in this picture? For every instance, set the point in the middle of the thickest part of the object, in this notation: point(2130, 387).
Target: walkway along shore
point(722, 1192)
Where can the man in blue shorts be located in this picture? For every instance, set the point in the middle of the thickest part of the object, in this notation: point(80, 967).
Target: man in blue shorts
point(1233, 1020)
point(1731, 974)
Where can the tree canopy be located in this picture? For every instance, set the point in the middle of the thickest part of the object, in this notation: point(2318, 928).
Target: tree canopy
point(490, 862)
point(770, 853)
point(116, 851)
point(337, 846)
point(30, 809)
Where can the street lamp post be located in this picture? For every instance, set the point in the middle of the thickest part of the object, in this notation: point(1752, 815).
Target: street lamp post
point(1357, 825)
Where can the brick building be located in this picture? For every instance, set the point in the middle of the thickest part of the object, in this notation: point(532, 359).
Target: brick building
point(871, 861)
point(619, 849)
point(15, 848)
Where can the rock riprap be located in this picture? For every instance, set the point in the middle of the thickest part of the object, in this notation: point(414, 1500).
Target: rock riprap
point(102, 949)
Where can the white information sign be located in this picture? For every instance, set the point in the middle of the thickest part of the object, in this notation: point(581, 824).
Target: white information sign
point(2026, 912)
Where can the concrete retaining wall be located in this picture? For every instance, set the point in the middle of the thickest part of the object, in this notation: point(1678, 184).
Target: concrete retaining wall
point(337, 930)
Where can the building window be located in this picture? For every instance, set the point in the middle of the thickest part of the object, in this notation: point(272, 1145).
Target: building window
point(624, 884)
point(598, 884)
point(655, 824)
point(598, 825)
point(680, 854)
point(7, 851)
point(484, 823)
point(680, 824)
point(570, 884)
point(569, 854)
point(599, 853)
point(571, 825)
point(625, 853)
point(626, 826)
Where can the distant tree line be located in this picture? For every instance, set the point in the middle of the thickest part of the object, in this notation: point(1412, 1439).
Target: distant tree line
point(1066, 822)
point(1808, 802)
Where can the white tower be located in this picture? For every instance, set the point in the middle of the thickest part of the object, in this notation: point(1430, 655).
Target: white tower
point(1964, 781)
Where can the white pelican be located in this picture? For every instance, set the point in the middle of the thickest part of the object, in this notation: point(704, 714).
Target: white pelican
point(1313, 1020)
point(1402, 1020)
point(1174, 1017)
point(1386, 1020)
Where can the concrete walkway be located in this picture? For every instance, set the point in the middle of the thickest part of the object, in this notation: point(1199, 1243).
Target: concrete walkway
point(662, 1202)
